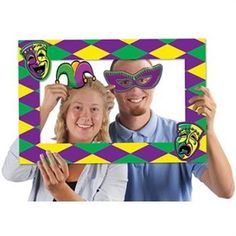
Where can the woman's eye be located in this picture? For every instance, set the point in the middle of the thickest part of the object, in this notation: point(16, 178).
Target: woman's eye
point(94, 109)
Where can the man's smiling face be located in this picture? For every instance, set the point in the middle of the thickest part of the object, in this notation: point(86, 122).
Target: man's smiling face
point(134, 102)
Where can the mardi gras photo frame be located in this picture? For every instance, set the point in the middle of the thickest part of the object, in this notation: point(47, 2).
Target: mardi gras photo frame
point(35, 58)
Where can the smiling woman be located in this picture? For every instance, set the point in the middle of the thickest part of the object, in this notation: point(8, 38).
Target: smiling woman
point(83, 118)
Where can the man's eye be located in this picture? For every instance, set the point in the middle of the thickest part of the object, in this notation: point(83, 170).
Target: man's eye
point(143, 81)
point(77, 107)
point(124, 82)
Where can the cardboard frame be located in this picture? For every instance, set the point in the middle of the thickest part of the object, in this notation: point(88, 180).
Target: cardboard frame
point(193, 51)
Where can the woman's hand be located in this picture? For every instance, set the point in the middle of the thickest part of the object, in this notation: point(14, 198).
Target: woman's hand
point(205, 105)
point(54, 171)
point(53, 93)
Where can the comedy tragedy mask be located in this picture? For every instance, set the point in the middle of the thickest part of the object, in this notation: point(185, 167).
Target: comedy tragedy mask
point(36, 60)
point(187, 141)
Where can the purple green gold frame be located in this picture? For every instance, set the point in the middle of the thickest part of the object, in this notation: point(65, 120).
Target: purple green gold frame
point(193, 51)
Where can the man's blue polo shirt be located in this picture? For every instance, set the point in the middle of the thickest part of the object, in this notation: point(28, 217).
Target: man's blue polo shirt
point(156, 182)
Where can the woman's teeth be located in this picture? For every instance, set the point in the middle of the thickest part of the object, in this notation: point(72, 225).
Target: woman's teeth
point(84, 126)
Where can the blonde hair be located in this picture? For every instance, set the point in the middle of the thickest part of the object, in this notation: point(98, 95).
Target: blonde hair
point(61, 131)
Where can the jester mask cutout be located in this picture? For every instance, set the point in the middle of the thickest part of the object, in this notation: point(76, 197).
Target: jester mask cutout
point(36, 60)
point(77, 73)
point(146, 78)
point(188, 139)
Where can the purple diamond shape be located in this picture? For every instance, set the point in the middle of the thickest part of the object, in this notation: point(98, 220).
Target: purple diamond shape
point(32, 154)
point(148, 45)
point(191, 80)
point(32, 136)
point(186, 44)
point(149, 153)
point(73, 154)
point(30, 82)
point(32, 118)
point(110, 45)
point(190, 61)
point(111, 153)
point(31, 99)
point(72, 45)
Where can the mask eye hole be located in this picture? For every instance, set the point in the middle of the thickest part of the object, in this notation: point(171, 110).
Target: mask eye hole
point(143, 80)
point(31, 59)
point(126, 83)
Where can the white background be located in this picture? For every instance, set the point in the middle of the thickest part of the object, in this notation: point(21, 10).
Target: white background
point(168, 99)
point(214, 20)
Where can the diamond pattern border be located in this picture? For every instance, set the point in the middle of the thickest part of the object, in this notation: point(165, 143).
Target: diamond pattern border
point(193, 51)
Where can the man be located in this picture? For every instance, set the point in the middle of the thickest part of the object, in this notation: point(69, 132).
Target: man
point(137, 123)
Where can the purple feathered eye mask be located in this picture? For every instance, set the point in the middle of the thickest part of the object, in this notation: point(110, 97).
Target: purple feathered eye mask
point(146, 78)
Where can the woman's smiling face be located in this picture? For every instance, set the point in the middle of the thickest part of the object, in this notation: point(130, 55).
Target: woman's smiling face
point(84, 116)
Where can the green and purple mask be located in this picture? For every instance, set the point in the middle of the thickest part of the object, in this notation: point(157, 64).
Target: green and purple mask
point(36, 60)
point(147, 78)
point(187, 141)
point(77, 73)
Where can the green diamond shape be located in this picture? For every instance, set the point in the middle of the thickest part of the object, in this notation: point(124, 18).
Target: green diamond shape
point(167, 41)
point(199, 52)
point(92, 147)
point(166, 147)
point(23, 72)
point(56, 53)
point(91, 41)
point(130, 159)
point(23, 109)
point(129, 52)
point(201, 159)
point(194, 90)
point(24, 145)
point(202, 123)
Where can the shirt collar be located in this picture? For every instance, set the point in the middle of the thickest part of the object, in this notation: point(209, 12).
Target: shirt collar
point(147, 131)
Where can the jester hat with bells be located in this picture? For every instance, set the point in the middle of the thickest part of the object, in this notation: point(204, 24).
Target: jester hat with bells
point(77, 73)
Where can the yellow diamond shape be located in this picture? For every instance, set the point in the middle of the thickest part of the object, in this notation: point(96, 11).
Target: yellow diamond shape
point(23, 90)
point(129, 147)
point(53, 41)
point(129, 41)
point(203, 40)
point(191, 107)
point(24, 127)
point(167, 158)
point(91, 53)
point(203, 144)
point(24, 161)
point(92, 159)
point(20, 57)
point(167, 52)
point(54, 147)
point(199, 70)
